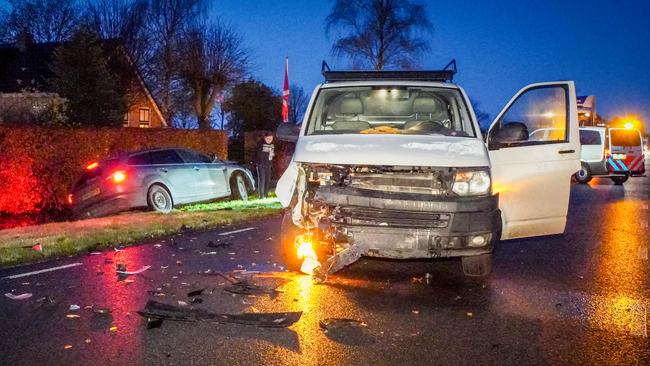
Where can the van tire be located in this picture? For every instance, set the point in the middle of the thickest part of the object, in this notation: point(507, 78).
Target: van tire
point(583, 176)
point(620, 180)
point(477, 265)
point(288, 233)
point(159, 199)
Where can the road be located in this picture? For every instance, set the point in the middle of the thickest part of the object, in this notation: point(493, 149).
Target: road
point(579, 298)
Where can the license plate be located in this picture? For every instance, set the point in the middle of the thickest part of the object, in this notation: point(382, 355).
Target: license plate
point(90, 194)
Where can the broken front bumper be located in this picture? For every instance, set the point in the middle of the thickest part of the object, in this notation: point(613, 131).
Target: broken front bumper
point(390, 225)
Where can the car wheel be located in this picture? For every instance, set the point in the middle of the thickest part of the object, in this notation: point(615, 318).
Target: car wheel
point(159, 199)
point(288, 233)
point(477, 265)
point(620, 180)
point(238, 187)
point(583, 176)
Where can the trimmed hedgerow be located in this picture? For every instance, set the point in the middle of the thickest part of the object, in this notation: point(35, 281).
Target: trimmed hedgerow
point(39, 165)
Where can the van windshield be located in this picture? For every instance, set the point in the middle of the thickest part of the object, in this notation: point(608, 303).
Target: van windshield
point(382, 109)
point(625, 137)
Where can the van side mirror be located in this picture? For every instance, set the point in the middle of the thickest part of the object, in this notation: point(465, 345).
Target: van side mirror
point(287, 132)
point(507, 134)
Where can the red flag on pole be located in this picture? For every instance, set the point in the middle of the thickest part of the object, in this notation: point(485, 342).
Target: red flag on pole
point(285, 92)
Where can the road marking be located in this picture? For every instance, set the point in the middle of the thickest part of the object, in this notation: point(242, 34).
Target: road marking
point(240, 231)
point(643, 253)
point(43, 271)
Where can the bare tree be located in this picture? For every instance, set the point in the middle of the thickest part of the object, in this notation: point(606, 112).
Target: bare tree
point(213, 59)
point(298, 101)
point(167, 21)
point(44, 20)
point(124, 20)
point(379, 33)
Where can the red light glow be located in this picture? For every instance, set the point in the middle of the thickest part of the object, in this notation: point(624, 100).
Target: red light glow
point(118, 176)
point(70, 199)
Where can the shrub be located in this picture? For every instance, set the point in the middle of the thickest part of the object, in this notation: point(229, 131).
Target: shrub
point(39, 165)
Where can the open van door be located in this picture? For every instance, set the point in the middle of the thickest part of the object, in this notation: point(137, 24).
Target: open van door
point(534, 149)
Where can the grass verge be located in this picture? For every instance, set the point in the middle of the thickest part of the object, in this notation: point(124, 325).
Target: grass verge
point(65, 238)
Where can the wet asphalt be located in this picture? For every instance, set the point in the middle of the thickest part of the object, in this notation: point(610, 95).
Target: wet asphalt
point(579, 298)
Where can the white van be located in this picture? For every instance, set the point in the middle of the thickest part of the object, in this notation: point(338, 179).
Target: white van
point(393, 165)
point(615, 153)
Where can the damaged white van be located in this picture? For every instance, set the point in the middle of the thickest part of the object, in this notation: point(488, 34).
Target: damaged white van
point(392, 164)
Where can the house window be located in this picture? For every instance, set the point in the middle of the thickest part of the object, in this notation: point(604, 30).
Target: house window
point(125, 122)
point(145, 117)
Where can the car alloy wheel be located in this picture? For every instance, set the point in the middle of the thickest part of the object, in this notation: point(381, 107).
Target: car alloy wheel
point(241, 187)
point(159, 199)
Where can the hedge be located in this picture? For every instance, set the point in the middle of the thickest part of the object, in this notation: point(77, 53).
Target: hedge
point(39, 165)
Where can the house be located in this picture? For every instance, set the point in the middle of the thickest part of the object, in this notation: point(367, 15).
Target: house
point(25, 92)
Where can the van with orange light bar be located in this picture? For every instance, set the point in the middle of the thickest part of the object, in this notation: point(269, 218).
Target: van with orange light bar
point(615, 153)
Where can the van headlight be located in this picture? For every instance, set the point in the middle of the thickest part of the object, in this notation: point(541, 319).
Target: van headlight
point(471, 182)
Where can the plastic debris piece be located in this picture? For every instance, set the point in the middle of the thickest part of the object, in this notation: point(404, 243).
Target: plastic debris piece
point(129, 281)
point(195, 293)
point(67, 346)
point(113, 328)
point(102, 311)
point(415, 311)
point(125, 272)
point(182, 303)
point(24, 296)
point(87, 341)
point(245, 288)
point(157, 246)
point(218, 244)
point(71, 316)
point(470, 314)
point(335, 323)
point(154, 322)
point(154, 309)
point(75, 307)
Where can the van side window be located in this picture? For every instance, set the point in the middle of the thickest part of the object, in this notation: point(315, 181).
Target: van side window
point(543, 111)
point(588, 137)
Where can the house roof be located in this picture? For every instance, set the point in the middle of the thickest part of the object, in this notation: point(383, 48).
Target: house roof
point(28, 69)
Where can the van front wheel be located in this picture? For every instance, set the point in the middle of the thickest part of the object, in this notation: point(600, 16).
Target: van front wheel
point(620, 180)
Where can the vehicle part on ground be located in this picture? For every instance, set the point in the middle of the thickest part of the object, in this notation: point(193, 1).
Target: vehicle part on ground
point(246, 288)
point(583, 176)
point(239, 187)
point(619, 180)
point(335, 323)
point(157, 310)
point(24, 296)
point(159, 199)
point(477, 265)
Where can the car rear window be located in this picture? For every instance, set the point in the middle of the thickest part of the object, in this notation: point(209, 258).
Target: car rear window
point(165, 157)
point(625, 138)
point(101, 168)
point(588, 137)
point(139, 159)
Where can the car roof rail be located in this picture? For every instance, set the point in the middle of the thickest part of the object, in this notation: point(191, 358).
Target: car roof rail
point(444, 75)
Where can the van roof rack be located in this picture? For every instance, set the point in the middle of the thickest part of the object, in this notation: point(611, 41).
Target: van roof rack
point(444, 75)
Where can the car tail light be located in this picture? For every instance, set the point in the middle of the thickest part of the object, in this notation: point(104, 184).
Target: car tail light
point(70, 199)
point(92, 166)
point(118, 176)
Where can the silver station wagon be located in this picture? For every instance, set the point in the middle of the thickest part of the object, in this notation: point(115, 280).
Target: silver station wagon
point(158, 179)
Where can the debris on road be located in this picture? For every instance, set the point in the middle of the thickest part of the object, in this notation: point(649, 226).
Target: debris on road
point(157, 310)
point(36, 247)
point(24, 296)
point(101, 311)
point(74, 307)
point(67, 346)
point(72, 316)
point(246, 288)
point(195, 293)
point(336, 323)
point(218, 244)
